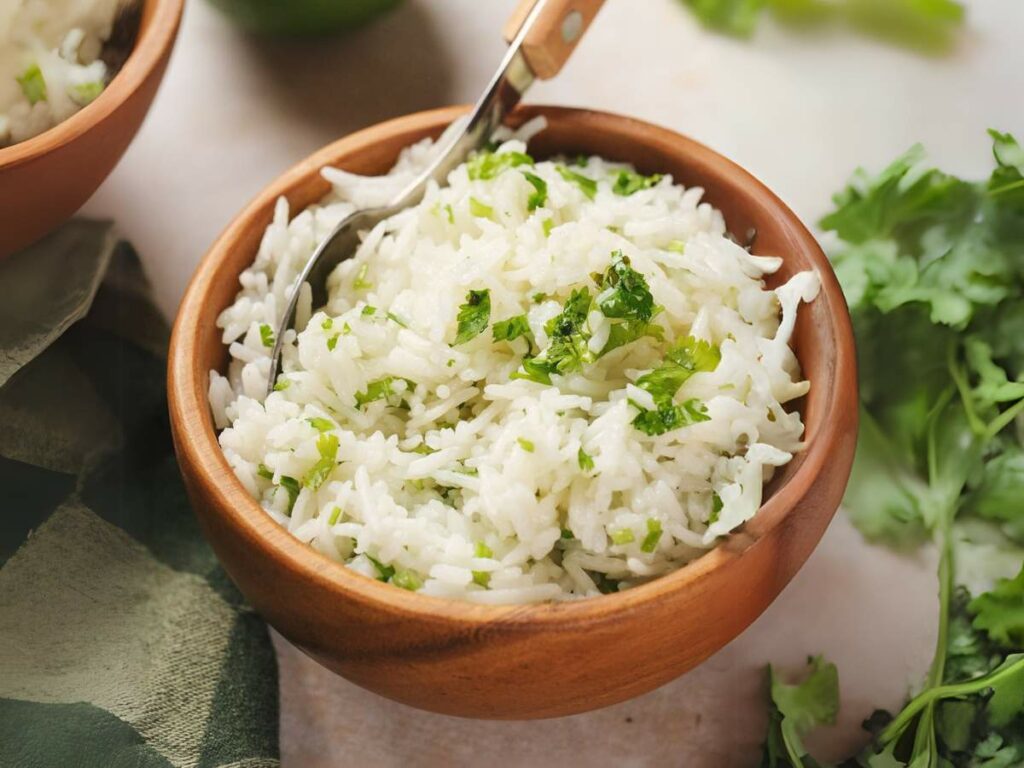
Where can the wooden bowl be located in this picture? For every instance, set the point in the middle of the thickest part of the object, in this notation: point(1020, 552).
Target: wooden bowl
point(534, 660)
point(45, 179)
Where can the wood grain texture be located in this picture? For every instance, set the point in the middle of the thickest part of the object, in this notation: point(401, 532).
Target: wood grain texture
point(45, 179)
point(545, 47)
point(522, 661)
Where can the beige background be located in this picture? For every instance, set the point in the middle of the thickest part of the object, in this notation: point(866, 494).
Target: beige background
point(800, 111)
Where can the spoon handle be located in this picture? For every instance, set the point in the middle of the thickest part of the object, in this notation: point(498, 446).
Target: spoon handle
point(554, 34)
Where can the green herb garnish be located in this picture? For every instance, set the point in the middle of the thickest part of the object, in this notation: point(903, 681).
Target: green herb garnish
point(85, 93)
point(587, 185)
point(585, 460)
point(539, 197)
point(623, 536)
point(628, 182)
point(327, 446)
point(526, 445)
point(407, 580)
point(321, 424)
point(480, 210)
point(33, 86)
point(668, 416)
point(487, 165)
point(650, 542)
point(266, 335)
point(361, 283)
point(683, 359)
point(473, 316)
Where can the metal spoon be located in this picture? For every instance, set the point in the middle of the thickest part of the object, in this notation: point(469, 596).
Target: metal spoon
point(543, 33)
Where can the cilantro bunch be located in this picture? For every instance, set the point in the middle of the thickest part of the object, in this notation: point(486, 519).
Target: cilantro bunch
point(933, 271)
point(929, 25)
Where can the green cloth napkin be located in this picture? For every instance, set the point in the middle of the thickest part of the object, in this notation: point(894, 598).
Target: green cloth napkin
point(122, 642)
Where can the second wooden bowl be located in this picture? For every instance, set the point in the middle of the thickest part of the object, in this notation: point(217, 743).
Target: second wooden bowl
point(45, 179)
point(537, 660)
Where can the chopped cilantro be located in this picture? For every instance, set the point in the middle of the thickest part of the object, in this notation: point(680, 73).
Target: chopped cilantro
point(450, 362)
point(482, 550)
point(385, 571)
point(32, 84)
point(716, 508)
point(623, 536)
point(396, 319)
point(585, 460)
point(86, 93)
point(321, 424)
point(473, 316)
point(369, 311)
point(266, 335)
point(380, 389)
point(487, 165)
point(526, 445)
point(512, 329)
point(539, 297)
point(335, 514)
point(569, 335)
point(291, 486)
point(539, 197)
point(567, 534)
point(624, 291)
point(628, 182)
point(650, 542)
point(327, 446)
point(449, 212)
point(332, 341)
point(668, 417)
point(676, 246)
point(265, 472)
point(547, 225)
point(283, 382)
point(587, 185)
point(407, 580)
point(483, 578)
point(480, 210)
point(327, 324)
point(360, 283)
point(683, 359)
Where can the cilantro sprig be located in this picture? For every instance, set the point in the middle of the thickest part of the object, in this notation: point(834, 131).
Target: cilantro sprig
point(930, 265)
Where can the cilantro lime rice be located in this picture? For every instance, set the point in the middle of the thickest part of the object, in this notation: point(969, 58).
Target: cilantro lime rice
point(547, 380)
point(49, 61)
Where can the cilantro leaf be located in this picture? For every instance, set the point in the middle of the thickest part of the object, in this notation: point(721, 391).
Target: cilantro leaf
point(628, 182)
point(33, 85)
point(321, 424)
point(380, 389)
point(586, 185)
point(683, 359)
point(480, 209)
point(327, 446)
point(512, 328)
point(1000, 611)
point(795, 709)
point(624, 291)
point(539, 197)
point(266, 335)
point(487, 165)
point(568, 350)
point(473, 316)
point(999, 491)
point(667, 417)
point(585, 460)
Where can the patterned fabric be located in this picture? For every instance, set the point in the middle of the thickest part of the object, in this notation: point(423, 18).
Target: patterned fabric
point(122, 642)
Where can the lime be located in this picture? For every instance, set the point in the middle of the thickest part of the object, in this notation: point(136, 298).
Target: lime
point(302, 17)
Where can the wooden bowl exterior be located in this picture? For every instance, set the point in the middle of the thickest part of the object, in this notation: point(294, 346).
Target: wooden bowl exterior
point(45, 179)
point(534, 661)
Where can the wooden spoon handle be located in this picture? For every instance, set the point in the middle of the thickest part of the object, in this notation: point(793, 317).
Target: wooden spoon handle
point(554, 34)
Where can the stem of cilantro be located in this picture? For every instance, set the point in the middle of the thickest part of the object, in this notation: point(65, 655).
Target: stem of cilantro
point(999, 422)
point(930, 696)
point(956, 371)
point(1006, 188)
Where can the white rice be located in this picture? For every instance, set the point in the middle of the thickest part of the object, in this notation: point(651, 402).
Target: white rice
point(466, 482)
point(49, 61)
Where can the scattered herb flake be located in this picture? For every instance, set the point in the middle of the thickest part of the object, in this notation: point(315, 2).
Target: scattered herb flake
point(473, 316)
point(586, 185)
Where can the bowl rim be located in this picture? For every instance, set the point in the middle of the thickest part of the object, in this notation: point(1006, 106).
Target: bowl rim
point(150, 47)
point(228, 499)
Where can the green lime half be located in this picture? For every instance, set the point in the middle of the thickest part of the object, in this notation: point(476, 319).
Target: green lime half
point(302, 17)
